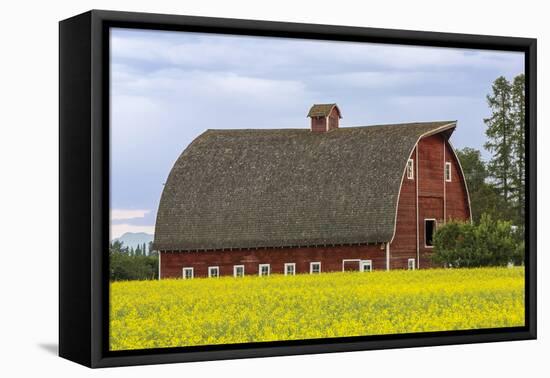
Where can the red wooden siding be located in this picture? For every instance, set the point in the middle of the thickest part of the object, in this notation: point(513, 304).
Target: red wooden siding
point(457, 205)
point(403, 246)
point(331, 258)
point(333, 119)
point(319, 124)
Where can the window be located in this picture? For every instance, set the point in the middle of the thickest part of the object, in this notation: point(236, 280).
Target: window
point(410, 169)
point(447, 171)
point(264, 270)
point(213, 271)
point(351, 265)
point(238, 270)
point(290, 269)
point(429, 229)
point(366, 266)
point(187, 273)
point(315, 267)
point(411, 264)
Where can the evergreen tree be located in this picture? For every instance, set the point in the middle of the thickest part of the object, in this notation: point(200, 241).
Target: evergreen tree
point(484, 199)
point(116, 247)
point(518, 144)
point(500, 134)
point(473, 167)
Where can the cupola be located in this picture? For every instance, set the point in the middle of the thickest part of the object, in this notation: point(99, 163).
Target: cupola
point(324, 117)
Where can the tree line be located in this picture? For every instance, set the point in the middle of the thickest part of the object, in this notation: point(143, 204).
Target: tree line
point(496, 188)
point(140, 250)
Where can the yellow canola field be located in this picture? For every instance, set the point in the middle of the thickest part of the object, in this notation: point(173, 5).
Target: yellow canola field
point(227, 310)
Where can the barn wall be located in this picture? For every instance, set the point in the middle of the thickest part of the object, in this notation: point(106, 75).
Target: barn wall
point(333, 119)
point(403, 246)
point(431, 189)
point(318, 124)
point(331, 258)
point(456, 193)
point(436, 199)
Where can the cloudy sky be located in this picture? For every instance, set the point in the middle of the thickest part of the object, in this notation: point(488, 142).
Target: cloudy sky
point(168, 87)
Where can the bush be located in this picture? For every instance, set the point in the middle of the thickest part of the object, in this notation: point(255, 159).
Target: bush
point(125, 267)
point(489, 243)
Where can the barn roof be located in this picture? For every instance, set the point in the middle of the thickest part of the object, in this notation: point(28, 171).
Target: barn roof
point(287, 187)
point(322, 110)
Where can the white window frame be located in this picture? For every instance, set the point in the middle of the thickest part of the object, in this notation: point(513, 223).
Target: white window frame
point(361, 267)
point(344, 261)
point(260, 266)
point(192, 273)
point(210, 271)
point(311, 267)
point(235, 267)
point(411, 266)
point(293, 265)
point(434, 228)
point(410, 169)
point(448, 167)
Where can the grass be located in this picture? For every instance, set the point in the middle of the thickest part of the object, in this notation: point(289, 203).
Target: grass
point(170, 313)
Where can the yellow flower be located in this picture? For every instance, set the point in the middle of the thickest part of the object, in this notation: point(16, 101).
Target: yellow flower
point(170, 313)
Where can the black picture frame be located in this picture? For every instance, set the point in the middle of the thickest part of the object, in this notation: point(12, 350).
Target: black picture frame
point(84, 186)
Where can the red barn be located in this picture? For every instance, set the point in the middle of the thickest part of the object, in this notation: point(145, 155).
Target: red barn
point(324, 199)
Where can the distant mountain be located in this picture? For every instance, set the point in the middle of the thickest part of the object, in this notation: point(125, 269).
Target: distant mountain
point(133, 239)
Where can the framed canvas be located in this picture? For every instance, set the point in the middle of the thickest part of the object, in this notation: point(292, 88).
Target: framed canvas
point(236, 188)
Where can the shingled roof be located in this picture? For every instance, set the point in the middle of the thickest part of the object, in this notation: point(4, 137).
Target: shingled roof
point(287, 187)
point(322, 110)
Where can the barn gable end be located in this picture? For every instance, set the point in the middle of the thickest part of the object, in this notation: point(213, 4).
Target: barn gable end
point(428, 196)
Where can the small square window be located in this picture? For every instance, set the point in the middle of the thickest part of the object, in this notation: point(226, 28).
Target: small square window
point(366, 266)
point(410, 169)
point(238, 270)
point(187, 273)
point(290, 269)
point(447, 171)
point(264, 270)
point(315, 267)
point(213, 271)
point(411, 264)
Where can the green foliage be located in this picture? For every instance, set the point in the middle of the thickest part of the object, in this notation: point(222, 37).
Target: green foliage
point(488, 243)
point(127, 264)
point(506, 141)
point(500, 127)
point(473, 167)
point(518, 145)
point(484, 196)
